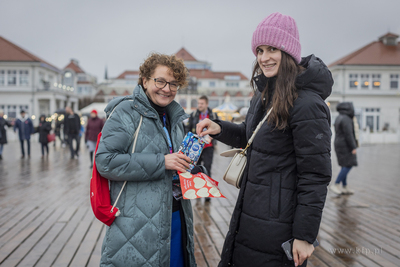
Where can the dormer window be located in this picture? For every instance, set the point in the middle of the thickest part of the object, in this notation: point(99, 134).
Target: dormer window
point(389, 39)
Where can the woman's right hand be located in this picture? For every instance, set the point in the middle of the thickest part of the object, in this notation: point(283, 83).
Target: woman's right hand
point(212, 127)
point(177, 162)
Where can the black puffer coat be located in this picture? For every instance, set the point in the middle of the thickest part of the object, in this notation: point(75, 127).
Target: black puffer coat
point(3, 132)
point(43, 129)
point(345, 140)
point(285, 182)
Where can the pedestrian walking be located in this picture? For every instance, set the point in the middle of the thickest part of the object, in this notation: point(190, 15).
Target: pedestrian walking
point(57, 130)
point(72, 125)
point(25, 129)
point(93, 128)
point(288, 170)
point(3, 132)
point(203, 112)
point(155, 227)
point(43, 129)
point(345, 146)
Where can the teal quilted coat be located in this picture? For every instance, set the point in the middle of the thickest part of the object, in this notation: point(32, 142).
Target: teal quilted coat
point(141, 235)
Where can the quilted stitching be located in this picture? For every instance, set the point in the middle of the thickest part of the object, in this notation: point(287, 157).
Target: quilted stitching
point(141, 237)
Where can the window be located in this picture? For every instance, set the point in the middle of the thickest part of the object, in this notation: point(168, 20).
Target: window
point(232, 84)
point(193, 103)
point(353, 81)
point(51, 79)
point(23, 77)
point(182, 102)
point(68, 79)
point(213, 103)
point(394, 81)
point(12, 110)
point(12, 77)
point(376, 81)
point(365, 81)
point(2, 77)
point(212, 84)
point(239, 102)
point(371, 119)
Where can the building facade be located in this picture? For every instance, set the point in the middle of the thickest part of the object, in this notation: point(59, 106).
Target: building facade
point(74, 76)
point(218, 86)
point(369, 77)
point(31, 84)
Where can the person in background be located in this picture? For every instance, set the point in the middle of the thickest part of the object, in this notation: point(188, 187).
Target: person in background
point(25, 129)
point(93, 128)
point(57, 130)
point(284, 186)
point(203, 112)
point(156, 220)
point(43, 129)
point(3, 132)
point(345, 146)
point(72, 125)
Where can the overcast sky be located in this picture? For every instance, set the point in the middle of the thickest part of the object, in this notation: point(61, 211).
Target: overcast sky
point(121, 34)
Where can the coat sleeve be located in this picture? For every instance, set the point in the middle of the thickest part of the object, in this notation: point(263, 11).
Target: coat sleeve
point(114, 159)
point(87, 131)
point(232, 134)
point(32, 129)
point(312, 144)
point(347, 128)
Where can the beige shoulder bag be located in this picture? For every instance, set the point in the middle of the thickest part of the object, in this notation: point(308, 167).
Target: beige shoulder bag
point(234, 173)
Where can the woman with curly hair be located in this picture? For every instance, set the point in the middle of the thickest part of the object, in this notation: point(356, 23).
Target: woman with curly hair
point(284, 185)
point(155, 225)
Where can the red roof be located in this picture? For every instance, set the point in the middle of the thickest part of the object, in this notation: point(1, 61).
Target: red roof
point(375, 53)
point(128, 72)
point(185, 55)
point(239, 93)
point(126, 93)
point(208, 74)
point(12, 52)
point(74, 66)
point(100, 93)
point(113, 92)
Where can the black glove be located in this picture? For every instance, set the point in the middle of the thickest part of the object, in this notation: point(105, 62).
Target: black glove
point(199, 168)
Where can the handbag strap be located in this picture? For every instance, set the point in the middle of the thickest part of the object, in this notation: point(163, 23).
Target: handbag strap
point(256, 131)
point(133, 150)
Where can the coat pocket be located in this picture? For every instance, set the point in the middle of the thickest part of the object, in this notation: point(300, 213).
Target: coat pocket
point(275, 195)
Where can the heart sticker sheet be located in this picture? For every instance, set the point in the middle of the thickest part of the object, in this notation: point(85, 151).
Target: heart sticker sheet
point(198, 185)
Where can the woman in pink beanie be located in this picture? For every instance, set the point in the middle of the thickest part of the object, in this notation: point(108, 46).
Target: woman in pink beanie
point(284, 185)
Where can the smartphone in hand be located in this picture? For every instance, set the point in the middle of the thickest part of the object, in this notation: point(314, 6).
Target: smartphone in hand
point(288, 247)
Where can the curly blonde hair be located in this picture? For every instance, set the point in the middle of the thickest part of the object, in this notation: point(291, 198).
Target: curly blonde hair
point(176, 66)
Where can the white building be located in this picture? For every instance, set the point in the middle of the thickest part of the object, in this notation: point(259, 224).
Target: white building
point(74, 76)
point(369, 77)
point(202, 81)
point(216, 85)
point(120, 86)
point(31, 84)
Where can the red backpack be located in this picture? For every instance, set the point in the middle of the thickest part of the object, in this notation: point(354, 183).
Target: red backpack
point(100, 190)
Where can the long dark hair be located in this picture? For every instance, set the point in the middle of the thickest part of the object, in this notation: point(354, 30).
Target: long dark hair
point(285, 90)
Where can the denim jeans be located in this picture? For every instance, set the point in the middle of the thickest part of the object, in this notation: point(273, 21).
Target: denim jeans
point(28, 141)
point(1, 149)
point(342, 176)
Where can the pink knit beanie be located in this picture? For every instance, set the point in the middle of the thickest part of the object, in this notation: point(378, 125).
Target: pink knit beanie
point(279, 31)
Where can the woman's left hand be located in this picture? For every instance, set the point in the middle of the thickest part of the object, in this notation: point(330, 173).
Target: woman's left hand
point(302, 250)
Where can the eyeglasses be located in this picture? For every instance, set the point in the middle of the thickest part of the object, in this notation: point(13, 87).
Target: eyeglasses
point(161, 83)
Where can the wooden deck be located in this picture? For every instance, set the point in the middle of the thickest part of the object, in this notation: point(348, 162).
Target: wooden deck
point(46, 218)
